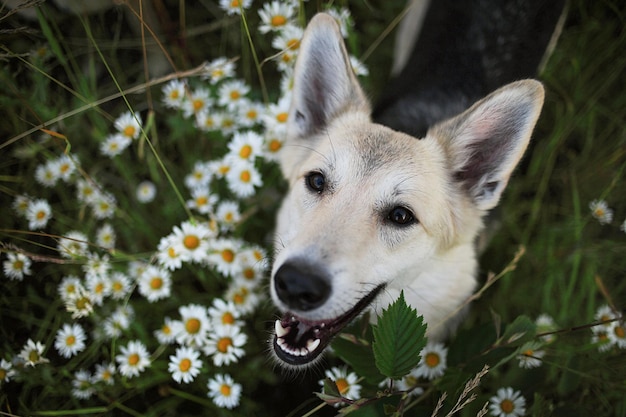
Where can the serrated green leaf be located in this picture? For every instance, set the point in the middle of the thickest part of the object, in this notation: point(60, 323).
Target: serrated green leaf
point(398, 339)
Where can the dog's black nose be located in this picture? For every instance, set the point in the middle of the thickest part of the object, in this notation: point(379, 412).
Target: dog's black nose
point(301, 287)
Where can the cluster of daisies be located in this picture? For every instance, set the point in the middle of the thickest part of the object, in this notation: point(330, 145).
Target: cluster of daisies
point(601, 211)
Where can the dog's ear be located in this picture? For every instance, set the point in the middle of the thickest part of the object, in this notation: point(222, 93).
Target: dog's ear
point(324, 83)
point(486, 142)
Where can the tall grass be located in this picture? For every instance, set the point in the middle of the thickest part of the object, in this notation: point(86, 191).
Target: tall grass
point(66, 79)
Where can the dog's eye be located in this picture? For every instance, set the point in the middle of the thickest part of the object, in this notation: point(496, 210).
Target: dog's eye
point(315, 181)
point(401, 216)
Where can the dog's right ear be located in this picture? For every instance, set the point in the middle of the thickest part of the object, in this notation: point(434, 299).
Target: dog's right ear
point(324, 84)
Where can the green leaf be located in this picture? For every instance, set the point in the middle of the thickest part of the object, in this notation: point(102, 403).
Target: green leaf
point(398, 339)
point(519, 332)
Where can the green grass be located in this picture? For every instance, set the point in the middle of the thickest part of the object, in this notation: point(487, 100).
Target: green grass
point(83, 72)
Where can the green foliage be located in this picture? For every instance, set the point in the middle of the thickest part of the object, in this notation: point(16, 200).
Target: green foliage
point(398, 339)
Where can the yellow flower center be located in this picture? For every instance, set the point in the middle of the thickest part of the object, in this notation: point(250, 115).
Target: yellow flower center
point(225, 390)
point(133, 359)
point(171, 253)
point(166, 329)
point(33, 356)
point(252, 114)
point(278, 20)
point(18, 265)
point(432, 360)
point(342, 385)
point(156, 283)
point(507, 406)
point(41, 215)
point(228, 255)
point(192, 325)
point(217, 73)
point(234, 95)
point(224, 169)
point(3, 374)
point(223, 344)
point(228, 318)
point(129, 131)
point(245, 176)
point(184, 365)
point(282, 117)
point(99, 288)
point(249, 274)
point(246, 151)
point(70, 289)
point(70, 340)
point(197, 104)
point(234, 3)
point(117, 286)
point(293, 43)
point(191, 241)
point(201, 201)
point(228, 217)
point(83, 303)
point(619, 332)
point(174, 95)
point(64, 168)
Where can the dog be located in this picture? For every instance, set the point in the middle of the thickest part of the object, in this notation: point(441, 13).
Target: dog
point(375, 207)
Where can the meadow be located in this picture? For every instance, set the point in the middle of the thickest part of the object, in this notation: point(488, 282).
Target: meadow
point(138, 188)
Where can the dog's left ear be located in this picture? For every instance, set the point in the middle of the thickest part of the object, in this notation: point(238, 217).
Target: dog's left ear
point(486, 142)
point(324, 85)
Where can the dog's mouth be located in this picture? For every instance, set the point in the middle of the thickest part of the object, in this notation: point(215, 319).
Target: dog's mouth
point(298, 341)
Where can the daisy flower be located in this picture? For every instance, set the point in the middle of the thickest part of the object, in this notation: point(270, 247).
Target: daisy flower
point(246, 146)
point(133, 359)
point(103, 206)
point(601, 211)
point(226, 122)
point(6, 371)
point(346, 382)
point(165, 335)
point(617, 334)
point(200, 176)
point(223, 255)
point(220, 167)
point(275, 15)
point(193, 241)
point(202, 200)
point(232, 93)
point(250, 113)
point(119, 285)
point(82, 385)
point(105, 236)
point(275, 119)
point(225, 345)
point(32, 353)
point(199, 101)
point(97, 265)
point(69, 286)
point(114, 145)
point(146, 192)
point(227, 214)
point(16, 266)
point(105, 373)
point(224, 313)
point(602, 339)
point(530, 355)
point(116, 323)
point(129, 124)
point(409, 383)
point(243, 178)
point(232, 7)
point(243, 296)
point(507, 403)
point(206, 121)
point(169, 252)
point(155, 283)
point(46, 175)
point(73, 244)
point(358, 67)
point(184, 365)
point(288, 42)
point(220, 68)
point(70, 340)
point(272, 144)
point(20, 204)
point(224, 391)
point(174, 94)
point(252, 268)
point(546, 324)
point(193, 326)
point(433, 361)
point(64, 167)
point(38, 214)
point(86, 191)
point(79, 303)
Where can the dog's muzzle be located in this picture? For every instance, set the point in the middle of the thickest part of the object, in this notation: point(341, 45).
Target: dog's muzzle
point(297, 340)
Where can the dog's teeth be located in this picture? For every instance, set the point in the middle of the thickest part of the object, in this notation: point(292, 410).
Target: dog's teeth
point(312, 344)
point(279, 329)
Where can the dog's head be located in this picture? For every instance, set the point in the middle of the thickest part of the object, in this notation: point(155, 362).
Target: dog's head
point(371, 211)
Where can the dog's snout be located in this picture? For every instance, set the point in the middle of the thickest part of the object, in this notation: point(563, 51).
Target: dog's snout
point(301, 287)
